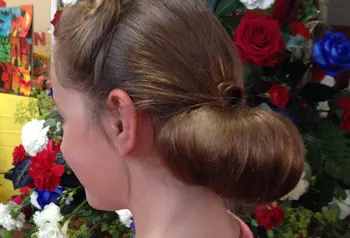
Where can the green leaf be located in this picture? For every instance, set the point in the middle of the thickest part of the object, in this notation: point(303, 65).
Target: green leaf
point(6, 234)
point(226, 7)
point(254, 223)
point(334, 208)
point(270, 234)
point(339, 112)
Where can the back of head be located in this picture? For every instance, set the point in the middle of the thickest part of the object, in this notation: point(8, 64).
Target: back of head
point(177, 63)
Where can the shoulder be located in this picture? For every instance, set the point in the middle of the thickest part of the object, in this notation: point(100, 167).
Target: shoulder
point(245, 231)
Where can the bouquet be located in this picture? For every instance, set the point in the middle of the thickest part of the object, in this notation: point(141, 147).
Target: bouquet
point(281, 50)
point(52, 201)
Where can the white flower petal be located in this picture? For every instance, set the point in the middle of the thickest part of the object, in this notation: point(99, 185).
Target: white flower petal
point(34, 200)
point(254, 4)
point(125, 217)
point(50, 214)
point(34, 136)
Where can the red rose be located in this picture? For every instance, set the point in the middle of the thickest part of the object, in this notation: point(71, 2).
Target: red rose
point(18, 199)
point(44, 170)
point(344, 102)
point(269, 216)
point(345, 119)
point(54, 147)
point(258, 40)
point(299, 28)
point(279, 95)
point(18, 154)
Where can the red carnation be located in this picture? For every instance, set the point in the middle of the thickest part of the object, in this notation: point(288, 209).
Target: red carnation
point(269, 216)
point(44, 170)
point(18, 154)
point(299, 28)
point(259, 41)
point(18, 199)
point(25, 190)
point(52, 146)
point(279, 95)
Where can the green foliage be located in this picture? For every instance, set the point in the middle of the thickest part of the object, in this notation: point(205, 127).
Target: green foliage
point(5, 49)
point(297, 220)
point(82, 232)
point(39, 107)
point(25, 113)
point(328, 150)
point(6, 234)
point(226, 7)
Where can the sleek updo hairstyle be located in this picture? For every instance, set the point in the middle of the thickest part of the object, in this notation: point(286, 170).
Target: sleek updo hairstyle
point(177, 63)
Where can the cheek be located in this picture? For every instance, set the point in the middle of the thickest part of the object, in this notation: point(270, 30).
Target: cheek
point(96, 165)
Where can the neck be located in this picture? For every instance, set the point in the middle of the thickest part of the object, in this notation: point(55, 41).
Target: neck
point(164, 207)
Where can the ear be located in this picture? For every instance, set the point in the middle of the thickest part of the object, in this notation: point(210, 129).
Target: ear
point(124, 124)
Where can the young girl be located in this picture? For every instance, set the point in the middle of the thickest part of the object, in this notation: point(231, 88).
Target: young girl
point(151, 92)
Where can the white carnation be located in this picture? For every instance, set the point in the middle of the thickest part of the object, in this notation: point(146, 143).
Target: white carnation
point(125, 217)
point(323, 108)
point(34, 200)
point(51, 230)
point(34, 136)
point(50, 214)
point(299, 190)
point(328, 81)
point(254, 4)
point(6, 219)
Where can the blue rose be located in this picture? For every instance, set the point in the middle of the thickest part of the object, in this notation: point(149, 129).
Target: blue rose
point(45, 197)
point(332, 53)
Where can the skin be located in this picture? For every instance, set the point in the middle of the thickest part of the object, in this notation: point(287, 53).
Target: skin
point(127, 173)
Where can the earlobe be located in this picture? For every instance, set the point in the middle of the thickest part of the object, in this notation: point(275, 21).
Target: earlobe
point(124, 119)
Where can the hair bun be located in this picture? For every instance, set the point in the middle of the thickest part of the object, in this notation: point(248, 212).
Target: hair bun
point(249, 155)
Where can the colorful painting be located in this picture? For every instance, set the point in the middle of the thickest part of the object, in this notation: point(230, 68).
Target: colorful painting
point(21, 23)
point(5, 76)
point(26, 53)
point(21, 81)
point(5, 21)
point(16, 51)
point(25, 82)
point(21, 49)
point(5, 49)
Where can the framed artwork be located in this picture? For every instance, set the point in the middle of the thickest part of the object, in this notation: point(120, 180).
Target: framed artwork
point(21, 23)
point(5, 21)
point(6, 76)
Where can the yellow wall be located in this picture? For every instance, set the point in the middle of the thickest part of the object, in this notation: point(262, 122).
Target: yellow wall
point(10, 136)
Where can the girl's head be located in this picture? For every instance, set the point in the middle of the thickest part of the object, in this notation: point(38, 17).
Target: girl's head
point(148, 84)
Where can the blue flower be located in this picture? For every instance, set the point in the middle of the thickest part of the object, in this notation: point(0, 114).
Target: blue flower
point(45, 197)
point(332, 53)
point(51, 92)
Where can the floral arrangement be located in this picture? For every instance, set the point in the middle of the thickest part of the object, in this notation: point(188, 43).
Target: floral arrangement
point(282, 44)
point(51, 202)
point(276, 42)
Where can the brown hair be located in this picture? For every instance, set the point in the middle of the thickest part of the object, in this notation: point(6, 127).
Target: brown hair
point(176, 62)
